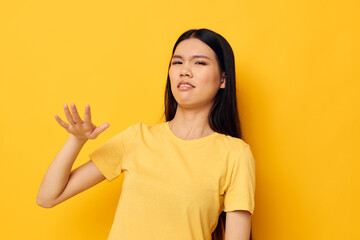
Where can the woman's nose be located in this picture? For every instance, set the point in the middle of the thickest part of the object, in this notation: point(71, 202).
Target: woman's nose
point(185, 70)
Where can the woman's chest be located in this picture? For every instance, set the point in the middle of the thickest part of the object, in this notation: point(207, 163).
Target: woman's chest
point(199, 171)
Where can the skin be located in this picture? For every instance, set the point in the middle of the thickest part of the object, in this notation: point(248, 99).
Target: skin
point(190, 122)
point(59, 183)
point(238, 225)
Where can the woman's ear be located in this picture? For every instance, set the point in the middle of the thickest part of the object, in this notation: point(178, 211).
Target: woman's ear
point(223, 80)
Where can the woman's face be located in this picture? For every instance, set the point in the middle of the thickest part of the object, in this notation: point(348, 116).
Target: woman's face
point(195, 62)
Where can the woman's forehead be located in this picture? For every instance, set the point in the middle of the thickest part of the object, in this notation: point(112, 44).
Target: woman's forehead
point(191, 47)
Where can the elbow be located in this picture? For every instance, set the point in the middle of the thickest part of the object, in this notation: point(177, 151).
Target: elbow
point(44, 204)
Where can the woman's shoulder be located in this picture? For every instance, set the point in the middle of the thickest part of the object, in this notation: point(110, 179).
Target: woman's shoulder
point(143, 124)
point(233, 144)
point(147, 127)
point(233, 140)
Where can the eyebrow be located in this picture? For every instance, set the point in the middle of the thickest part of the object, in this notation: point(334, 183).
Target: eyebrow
point(195, 56)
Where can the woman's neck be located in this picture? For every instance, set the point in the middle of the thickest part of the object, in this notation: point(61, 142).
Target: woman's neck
point(190, 124)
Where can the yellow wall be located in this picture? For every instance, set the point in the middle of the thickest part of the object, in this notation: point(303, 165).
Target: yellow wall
point(298, 83)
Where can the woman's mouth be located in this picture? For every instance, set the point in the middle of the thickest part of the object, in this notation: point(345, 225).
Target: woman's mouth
point(185, 87)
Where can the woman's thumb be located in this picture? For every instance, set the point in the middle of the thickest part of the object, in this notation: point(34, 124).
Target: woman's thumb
point(99, 130)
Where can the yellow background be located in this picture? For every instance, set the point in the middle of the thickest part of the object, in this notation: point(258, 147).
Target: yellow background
point(298, 91)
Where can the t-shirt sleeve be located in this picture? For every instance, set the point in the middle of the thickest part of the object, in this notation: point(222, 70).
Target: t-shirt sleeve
point(240, 194)
point(108, 158)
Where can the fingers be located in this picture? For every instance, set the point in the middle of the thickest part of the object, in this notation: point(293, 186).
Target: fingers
point(98, 130)
point(87, 116)
point(75, 114)
point(68, 114)
point(61, 122)
point(74, 118)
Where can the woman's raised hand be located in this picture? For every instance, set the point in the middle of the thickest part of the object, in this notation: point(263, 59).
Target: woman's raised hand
point(82, 130)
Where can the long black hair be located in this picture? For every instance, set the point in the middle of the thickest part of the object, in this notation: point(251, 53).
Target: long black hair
point(223, 116)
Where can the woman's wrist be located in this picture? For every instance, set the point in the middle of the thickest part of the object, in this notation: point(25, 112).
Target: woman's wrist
point(77, 141)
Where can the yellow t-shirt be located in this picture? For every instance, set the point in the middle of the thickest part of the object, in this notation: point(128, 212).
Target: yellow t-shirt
point(174, 188)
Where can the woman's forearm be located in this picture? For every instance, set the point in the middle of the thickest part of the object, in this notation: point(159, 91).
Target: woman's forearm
point(58, 173)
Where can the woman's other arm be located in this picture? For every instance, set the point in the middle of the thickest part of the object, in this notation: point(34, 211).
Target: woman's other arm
point(238, 225)
point(59, 182)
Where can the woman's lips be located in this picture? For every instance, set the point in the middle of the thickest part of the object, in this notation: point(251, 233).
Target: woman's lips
point(185, 83)
point(185, 87)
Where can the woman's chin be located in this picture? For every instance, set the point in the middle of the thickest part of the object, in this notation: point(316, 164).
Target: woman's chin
point(186, 104)
point(190, 104)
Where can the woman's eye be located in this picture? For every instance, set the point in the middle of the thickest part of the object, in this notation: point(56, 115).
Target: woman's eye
point(178, 62)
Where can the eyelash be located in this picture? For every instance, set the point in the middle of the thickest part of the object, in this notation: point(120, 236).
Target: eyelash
point(201, 63)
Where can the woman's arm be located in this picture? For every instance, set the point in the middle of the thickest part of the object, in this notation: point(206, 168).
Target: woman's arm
point(59, 183)
point(238, 225)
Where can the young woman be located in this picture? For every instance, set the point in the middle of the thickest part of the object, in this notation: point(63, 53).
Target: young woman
point(191, 177)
